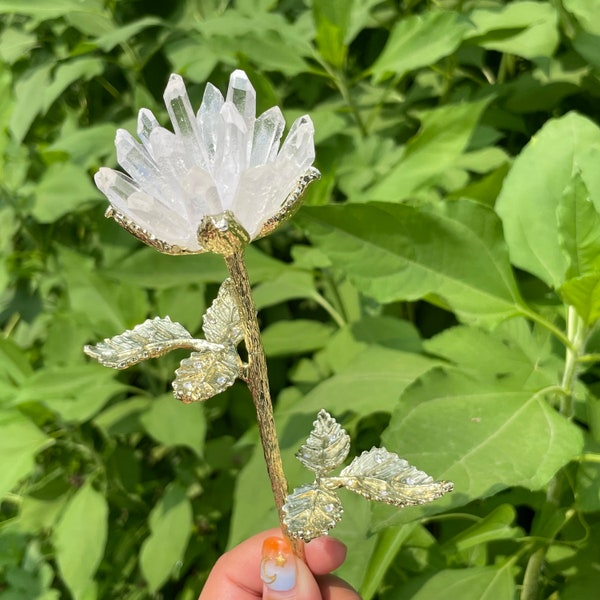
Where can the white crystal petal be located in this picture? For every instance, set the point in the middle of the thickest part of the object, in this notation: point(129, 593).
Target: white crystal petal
point(134, 158)
point(201, 194)
point(169, 155)
point(168, 152)
point(268, 129)
point(146, 124)
point(258, 192)
point(243, 96)
point(158, 179)
point(145, 210)
point(184, 121)
point(231, 156)
point(209, 120)
point(299, 145)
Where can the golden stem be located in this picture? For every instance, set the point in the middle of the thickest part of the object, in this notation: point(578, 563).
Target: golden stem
point(258, 384)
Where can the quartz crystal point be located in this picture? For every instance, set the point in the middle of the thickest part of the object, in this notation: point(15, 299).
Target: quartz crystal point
point(222, 159)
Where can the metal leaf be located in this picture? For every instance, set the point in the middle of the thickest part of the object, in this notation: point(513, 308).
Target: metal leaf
point(206, 373)
point(381, 475)
point(151, 338)
point(326, 447)
point(222, 323)
point(311, 511)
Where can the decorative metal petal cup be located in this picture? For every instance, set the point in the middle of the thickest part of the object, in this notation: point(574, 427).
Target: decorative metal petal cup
point(221, 170)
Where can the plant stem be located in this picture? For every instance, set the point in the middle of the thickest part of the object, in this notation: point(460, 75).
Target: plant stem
point(258, 384)
point(531, 579)
point(576, 336)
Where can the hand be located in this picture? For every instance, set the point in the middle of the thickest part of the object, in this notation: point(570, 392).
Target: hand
point(264, 567)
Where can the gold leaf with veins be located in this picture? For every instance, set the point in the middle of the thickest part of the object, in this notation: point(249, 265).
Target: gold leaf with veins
point(326, 447)
point(206, 373)
point(222, 324)
point(149, 339)
point(383, 476)
point(311, 511)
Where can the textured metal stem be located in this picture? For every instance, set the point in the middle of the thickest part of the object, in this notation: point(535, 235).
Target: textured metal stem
point(258, 383)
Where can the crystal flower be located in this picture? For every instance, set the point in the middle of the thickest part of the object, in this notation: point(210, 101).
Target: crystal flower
point(222, 170)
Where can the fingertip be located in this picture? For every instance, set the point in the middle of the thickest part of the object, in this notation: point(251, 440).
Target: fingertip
point(325, 554)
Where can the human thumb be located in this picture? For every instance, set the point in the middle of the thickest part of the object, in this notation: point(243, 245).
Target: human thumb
point(284, 576)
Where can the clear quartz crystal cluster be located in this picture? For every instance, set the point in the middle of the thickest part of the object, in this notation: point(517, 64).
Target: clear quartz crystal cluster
point(221, 163)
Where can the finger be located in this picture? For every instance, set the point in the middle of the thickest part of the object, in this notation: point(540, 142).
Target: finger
point(286, 577)
point(334, 588)
point(236, 575)
point(324, 555)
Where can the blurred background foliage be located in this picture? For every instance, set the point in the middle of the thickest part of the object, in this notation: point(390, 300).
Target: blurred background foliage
point(439, 294)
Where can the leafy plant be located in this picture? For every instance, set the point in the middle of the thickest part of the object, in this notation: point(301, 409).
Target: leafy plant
point(438, 294)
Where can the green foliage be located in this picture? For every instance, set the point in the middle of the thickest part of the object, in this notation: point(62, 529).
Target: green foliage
point(439, 294)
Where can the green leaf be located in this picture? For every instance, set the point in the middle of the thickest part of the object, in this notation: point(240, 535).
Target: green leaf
point(123, 417)
point(295, 337)
point(116, 305)
point(67, 73)
point(586, 44)
point(371, 332)
point(120, 35)
point(149, 268)
point(527, 29)
point(172, 423)
point(437, 146)
point(79, 538)
point(483, 436)
point(20, 441)
point(85, 146)
point(419, 41)
point(372, 381)
point(583, 293)
point(74, 392)
point(290, 285)
point(534, 187)
point(29, 102)
point(41, 8)
point(14, 44)
point(170, 524)
point(14, 366)
point(497, 525)
point(583, 576)
point(193, 56)
point(477, 583)
point(394, 252)
point(579, 228)
point(386, 548)
point(587, 13)
point(587, 482)
point(332, 18)
point(500, 354)
point(63, 188)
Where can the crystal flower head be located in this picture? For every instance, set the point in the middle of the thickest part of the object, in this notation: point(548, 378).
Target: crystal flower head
point(221, 176)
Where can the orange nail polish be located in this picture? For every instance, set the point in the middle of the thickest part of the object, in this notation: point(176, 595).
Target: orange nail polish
point(278, 564)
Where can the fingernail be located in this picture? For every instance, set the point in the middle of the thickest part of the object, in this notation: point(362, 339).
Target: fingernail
point(278, 564)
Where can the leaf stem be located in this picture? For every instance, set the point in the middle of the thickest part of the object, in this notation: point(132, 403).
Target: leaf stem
point(548, 325)
point(331, 311)
point(258, 384)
